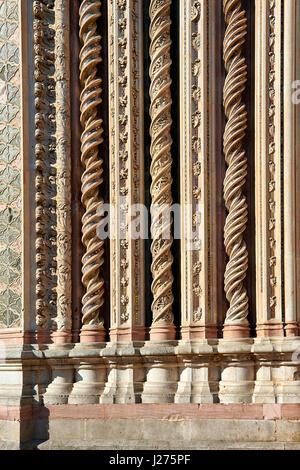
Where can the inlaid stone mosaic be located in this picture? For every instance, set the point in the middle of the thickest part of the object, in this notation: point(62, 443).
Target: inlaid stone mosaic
point(10, 167)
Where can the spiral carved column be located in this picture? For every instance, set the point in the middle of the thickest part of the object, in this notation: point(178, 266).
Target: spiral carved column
point(236, 323)
point(160, 112)
point(91, 138)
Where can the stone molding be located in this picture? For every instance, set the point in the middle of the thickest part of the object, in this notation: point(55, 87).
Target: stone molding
point(165, 411)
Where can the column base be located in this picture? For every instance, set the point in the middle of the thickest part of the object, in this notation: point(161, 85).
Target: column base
point(199, 332)
point(89, 334)
point(128, 334)
point(236, 330)
point(270, 330)
point(162, 333)
point(291, 328)
point(61, 337)
point(47, 337)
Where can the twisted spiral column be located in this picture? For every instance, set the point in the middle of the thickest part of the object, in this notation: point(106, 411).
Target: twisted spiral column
point(91, 180)
point(236, 323)
point(160, 169)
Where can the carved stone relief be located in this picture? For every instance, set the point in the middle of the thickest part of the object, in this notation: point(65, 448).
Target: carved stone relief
point(10, 167)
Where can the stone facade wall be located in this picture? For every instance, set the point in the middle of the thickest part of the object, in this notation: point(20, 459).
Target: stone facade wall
point(195, 335)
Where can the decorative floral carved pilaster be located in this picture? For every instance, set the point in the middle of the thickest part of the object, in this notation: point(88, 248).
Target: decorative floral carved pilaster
point(291, 169)
point(126, 167)
point(268, 168)
point(197, 65)
point(63, 149)
point(236, 323)
point(92, 179)
point(160, 112)
point(43, 44)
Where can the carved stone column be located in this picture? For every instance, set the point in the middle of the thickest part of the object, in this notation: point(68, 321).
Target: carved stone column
point(160, 150)
point(236, 322)
point(290, 169)
point(63, 171)
point(60, 386)
point(197, 66)
point(91, 139)
point(126, 170)
point(45, 171)
point(90, 376)
point(297, 144)
point(51, 29)
point(268, 168)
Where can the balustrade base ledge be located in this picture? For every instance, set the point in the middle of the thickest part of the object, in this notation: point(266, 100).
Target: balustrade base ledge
point(58, 394)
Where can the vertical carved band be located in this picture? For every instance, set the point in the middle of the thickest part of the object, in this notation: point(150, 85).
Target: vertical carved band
point(160, 112)
point(197, 246)
point(91, 139)
point(290, 176)
point(274, 160)
point(126, 167)
point(268, 168)
point(235, 201)
point(63, 147)
point(43, 62)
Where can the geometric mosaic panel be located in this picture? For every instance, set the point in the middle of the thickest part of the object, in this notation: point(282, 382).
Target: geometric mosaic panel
point(10, 167)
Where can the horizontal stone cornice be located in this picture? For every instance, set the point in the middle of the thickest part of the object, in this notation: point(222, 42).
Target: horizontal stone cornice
point(221, 348)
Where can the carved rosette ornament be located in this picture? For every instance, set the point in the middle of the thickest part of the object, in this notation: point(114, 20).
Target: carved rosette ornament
point(91, 139)
point(160, 112)
point(236, 323)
